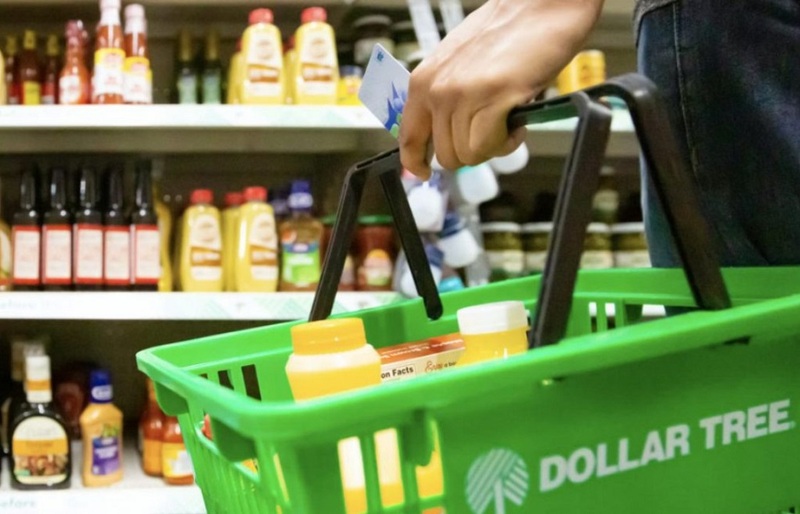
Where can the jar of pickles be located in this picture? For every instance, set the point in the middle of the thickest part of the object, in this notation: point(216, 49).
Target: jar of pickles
point(630, 245)
point(503, 244)
point(597, 253)
point(535, 242)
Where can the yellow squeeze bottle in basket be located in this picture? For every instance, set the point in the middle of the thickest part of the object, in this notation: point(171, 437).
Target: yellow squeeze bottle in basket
point(333, 357)
point(493, 331)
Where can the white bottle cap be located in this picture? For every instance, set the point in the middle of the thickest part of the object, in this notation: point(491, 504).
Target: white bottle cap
point(460, 249)
point(513, 162)
point(37, 379)
point(428, 206)
point(477, 184)
point(134, 11)
point(110, 4)
point(492, 317)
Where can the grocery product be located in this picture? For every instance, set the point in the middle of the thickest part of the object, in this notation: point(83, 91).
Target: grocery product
point(629, 244)
point(316, 73)
point(348, 280)
point(428, 204)
point(503, 245)
point(164, 215)
point(87, 235)
point(176, 464)
point(535, 242)
point(301, 236)
point(187, 77)
point(57, 236)
point(369, 31)
point(587, 68)
point(145, 236)
point(116, 236)
point(26, 237)
point(418, 358)
point(3, 85)
point(230, 224)
point(235, 75)
point(151, 433)
point(493, 331)
point(27, 74)
point(605, 205)
point(349, 84)
point(511, 163)
point(435, 261)
point(597, 252)
point(11, 56)
point(256, 268)
point(374, 252)
point(50, 71)
point(289, 64)
point(200, 246)
point(74, 81)
point(477, 184)
point(211, 83)
point(262, 56)
point(101, 426)
point(20, 348)
point(40, 452)
point(457, 243)
point(331, 357)
point(6, 257)
point(109, 56)
point(138, 75)
point(71, 394)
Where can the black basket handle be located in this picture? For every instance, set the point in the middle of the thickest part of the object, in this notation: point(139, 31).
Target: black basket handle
point(387, 168)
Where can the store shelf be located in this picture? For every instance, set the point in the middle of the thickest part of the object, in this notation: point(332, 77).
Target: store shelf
point(235, 128)
point(136, 492)
point(177, 306)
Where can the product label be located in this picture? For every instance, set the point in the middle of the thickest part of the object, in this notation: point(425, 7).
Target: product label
point(151, 455)
point(88, 259)
point(117, 256)
point(263, 66)
point(70, 91)
point(212, 88)
point(40, 450)
point(597, 259)
point(6, 258)
point(176, 461)
point(27, 250)
point(264, 248)
point(632, 259)
point(187, 89)
point(57, 254)
point(506, 263)
point(318, 64)
point(376, 270)
point(410, 360)
point(137, 86)
point(535, 261)
point(109, 64)
point(106, 450)
point(31, 93)
point(145, 254)
point(205, 248)
point(300, 261)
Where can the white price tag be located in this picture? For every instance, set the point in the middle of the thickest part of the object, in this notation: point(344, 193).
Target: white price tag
point(424, 25)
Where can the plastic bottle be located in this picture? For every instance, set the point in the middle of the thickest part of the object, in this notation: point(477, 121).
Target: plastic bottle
point(11, 63)
point(230, 223)
point(28, 73)
point(3, 84)
point(301, 236)
point(262, 53)
point(109, 56)
point(331, 357)
point(151, 433)
point(350, 78)
point(138, 75)
point(493, 331)
point(256, 268)
point(26, 237)
point(164, 215)
point(101, 426)
point(176, 463)
point(235, 75)
point(511, 163)
point(40, 449)
point(458, 244)
point(289, 64)
point(477, 184)
point(435, 261)
point(16, 399)
point(87, 258)
point(316, 74)
point(145, 236)
point(187, 81)
point(201, 245)
point(51, 69)
point(57, 237)
point(428, 204)
point(211, 84)
point(116, 237)
point(74, 81)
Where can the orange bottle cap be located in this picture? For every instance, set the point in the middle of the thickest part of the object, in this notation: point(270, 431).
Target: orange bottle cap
point(261, 16)
point(314, 14)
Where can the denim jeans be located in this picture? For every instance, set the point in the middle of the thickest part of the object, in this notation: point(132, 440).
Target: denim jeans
point(729, 72)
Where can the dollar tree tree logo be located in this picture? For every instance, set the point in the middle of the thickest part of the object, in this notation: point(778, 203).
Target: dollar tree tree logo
point(496, 479)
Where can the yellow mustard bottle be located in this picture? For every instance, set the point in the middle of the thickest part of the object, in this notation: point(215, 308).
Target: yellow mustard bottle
point(289, 63)
point(3, 87)
point(331, 357)
point(230, 224)
point(235, 75)
point(256, 268)
point(201, 245)
point(101, 429)
point(164, 216)
point(316, 70)
point(263, 82)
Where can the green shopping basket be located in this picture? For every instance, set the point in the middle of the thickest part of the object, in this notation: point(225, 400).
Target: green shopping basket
point(691, 413)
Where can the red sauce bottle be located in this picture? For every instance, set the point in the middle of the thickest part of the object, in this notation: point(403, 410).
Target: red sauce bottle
point(109, 56)
point(75, 79)
point(12, 60)
point(138, 77)
point(27, 78)
point(52, 68)
point(57, 237)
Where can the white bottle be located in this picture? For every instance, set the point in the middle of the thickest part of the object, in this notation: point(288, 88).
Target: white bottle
point(477, 184)
point(457, 243)
point(511, 163)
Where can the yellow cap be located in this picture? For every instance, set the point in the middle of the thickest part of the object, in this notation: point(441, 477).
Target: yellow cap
point(328, 336)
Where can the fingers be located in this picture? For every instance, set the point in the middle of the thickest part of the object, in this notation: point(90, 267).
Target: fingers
point(415, 130)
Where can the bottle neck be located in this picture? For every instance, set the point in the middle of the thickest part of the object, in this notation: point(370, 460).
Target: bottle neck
point(110, 18)
point(38, 391)
point(136, 26)
point(115, 195)
point(88, 193)
point(144, 189)
point(58, 193)
point(27, 193)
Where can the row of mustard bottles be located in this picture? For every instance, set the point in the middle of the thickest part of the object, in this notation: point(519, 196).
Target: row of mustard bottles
point(333, 356)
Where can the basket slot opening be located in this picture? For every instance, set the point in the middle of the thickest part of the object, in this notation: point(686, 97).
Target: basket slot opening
point(251, 386)
point(225, 379)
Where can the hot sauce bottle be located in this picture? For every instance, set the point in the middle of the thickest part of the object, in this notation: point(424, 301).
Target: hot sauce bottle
point(28, 75)
point(75, 79)
point(52, 67)
point(138, 77)
point(26, 237)
point(57, 237)
point(109, 56)
point(87, 260)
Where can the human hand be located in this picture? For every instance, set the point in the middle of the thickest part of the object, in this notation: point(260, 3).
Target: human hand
point(501, 56)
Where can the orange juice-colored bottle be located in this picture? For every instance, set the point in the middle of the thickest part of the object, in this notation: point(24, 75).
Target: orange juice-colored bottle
point(101, 426)
point(316, 69)
point(493, 331)
point(151, 433)
point(331, 357)
point(175, 461)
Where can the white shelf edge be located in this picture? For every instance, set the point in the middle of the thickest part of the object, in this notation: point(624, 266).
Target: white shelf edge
point(176, 306)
